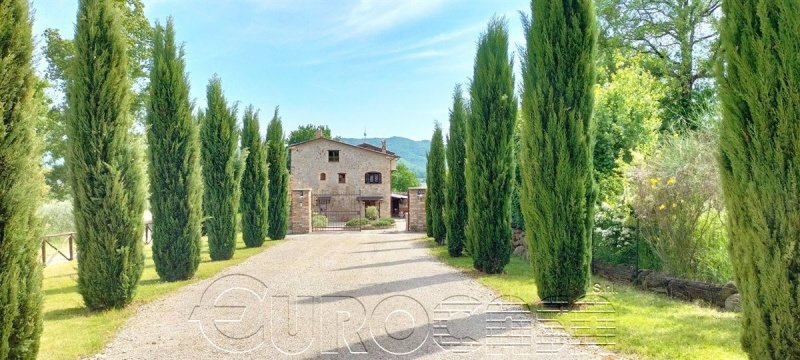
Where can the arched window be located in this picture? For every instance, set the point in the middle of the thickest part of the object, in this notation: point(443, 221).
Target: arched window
point(323, 177)
point(373, 178)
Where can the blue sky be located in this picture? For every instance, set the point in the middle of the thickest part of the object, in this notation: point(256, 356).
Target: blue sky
point(384, 66)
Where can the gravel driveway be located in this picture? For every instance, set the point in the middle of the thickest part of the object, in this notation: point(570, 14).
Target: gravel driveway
point(340, 295)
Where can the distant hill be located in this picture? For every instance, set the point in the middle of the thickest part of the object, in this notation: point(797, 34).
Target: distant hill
point(411, 152)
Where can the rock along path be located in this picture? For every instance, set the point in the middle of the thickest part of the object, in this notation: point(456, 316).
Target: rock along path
point(340, 295)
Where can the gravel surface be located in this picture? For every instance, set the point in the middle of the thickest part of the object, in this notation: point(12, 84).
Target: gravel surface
point(341, 295)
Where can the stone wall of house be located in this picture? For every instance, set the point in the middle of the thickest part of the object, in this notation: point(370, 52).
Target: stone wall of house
point(300, 211)
point(416, 209)
point(310, 162)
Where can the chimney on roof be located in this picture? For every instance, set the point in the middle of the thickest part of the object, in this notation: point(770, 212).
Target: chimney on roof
point(319, 133)
point(383, 146)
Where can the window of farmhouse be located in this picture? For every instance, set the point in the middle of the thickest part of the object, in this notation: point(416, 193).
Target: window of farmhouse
point(333, 155)
point(373, 178)
point(323, 177)
point(342, 178)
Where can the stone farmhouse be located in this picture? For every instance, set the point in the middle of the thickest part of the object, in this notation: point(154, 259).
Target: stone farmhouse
point(344, 179)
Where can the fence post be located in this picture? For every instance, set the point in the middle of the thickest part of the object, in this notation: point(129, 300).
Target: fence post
point(44, 253)
point(71, 238)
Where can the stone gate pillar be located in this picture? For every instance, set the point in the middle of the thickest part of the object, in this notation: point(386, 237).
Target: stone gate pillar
point(300, 220)
point(416, 209)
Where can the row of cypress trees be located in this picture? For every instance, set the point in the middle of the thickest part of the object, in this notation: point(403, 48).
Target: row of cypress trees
point(758, 76)
point(472, 198)
point(196, 165)
point(557, 184)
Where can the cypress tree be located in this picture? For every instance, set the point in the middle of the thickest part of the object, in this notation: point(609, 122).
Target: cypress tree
point(278, 179)
point(428, 211)
point(759, 78)
point(489, 164)
point(456, 195)
point(175, 188)
point(21, 185)
point(558, 190)
point(104, 163)
point(435, 198)
point(255, 180)
point(219, 142)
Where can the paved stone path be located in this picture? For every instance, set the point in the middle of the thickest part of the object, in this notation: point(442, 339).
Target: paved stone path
point(364, 295)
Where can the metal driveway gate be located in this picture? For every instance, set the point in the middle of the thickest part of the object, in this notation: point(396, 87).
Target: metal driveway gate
point(332, 212)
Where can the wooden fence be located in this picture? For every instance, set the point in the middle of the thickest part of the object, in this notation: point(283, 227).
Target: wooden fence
point(51, 242)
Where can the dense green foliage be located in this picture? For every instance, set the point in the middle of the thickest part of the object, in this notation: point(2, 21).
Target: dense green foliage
point(371, 213)
point(255, 183)
point(278, 179)
point(627, 114)
point(21, 185)
point(176, 194)
point(219, 138)
point(760, 168)
point(558, 190)
point(490, 151)
point(104, 164)
point(59, 53)
point(434, 199)
point(679, 40)
point(403, 178)
point(308, 132)
point(455, 212)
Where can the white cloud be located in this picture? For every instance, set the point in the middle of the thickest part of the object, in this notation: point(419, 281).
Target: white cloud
point(371, 17)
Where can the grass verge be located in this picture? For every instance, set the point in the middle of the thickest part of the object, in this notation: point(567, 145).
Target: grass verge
point(648, 326)
point(71, 331)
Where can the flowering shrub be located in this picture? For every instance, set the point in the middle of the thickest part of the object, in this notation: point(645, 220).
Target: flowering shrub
point(678, 204)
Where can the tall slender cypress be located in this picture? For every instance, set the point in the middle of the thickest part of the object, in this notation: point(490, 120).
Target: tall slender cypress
point(219, 143)
point(175, 189)
point(21, 185)
point(759, 79)
point(456, 195)
point(428, 211)
point(558, 189)
point(105, 165)
point(278, 179)
point(490, 165)
point(255, 183)
point(436, 177)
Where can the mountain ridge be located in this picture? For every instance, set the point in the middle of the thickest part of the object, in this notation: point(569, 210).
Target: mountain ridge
point(412, 152)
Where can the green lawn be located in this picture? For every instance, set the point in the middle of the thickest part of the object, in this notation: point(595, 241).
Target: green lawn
point(649, 326)
point(70, 331)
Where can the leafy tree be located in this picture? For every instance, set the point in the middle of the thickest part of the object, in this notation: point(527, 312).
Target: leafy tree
point(558, 190)
point(435, 198)
point(403, 178)
point(255, 183)
point(627, 114)
point(59, 53)
point(278, 179)
point(105, 166)
point(489, 147)
point(455, 212)
point(681, 35)
point(20, 188)
point(760, 168)
point(308, 132)
point(219, 138)
point(175, 179)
